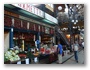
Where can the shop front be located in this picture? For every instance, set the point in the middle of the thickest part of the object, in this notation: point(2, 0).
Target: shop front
point(22, 31)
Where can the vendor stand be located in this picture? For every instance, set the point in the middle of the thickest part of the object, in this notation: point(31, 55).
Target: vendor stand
point(25, 29)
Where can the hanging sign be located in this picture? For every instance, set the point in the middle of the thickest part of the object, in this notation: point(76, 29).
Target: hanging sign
point(52, 19)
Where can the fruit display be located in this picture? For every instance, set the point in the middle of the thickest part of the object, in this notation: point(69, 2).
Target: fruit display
point(42, 50)
point(47, 51)
point(36, 54)
point(22, 55)
point(11, 55)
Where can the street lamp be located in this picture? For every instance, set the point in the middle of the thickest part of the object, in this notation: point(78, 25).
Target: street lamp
point(60, 8)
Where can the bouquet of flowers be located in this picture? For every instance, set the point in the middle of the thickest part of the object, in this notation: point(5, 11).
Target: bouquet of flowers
point(11, 55)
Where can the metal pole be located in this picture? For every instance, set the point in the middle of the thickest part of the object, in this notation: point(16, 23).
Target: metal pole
point(11, 38)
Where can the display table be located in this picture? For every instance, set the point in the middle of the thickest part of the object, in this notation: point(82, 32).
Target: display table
point(48, 58)
point(21, 61)
point(40, 59)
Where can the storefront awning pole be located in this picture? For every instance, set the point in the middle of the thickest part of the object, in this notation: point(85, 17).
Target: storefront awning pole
point(11, 38)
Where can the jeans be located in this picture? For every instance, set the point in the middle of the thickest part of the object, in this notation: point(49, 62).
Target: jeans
point(38, 46)
point(76, 55)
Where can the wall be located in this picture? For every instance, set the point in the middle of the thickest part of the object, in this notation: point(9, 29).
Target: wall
point(6, 41)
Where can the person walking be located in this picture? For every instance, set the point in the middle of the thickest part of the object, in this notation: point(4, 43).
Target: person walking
point(65, 50)
point(76, 47)
point(83, 45)
point(60, 50)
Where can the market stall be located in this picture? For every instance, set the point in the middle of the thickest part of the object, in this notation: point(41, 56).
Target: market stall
point(26, 27)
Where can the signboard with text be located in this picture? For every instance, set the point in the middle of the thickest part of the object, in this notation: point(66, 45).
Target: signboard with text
point(49, 17)
point(31, 9)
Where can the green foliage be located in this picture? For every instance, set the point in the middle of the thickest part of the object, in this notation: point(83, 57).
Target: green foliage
point(30, 55)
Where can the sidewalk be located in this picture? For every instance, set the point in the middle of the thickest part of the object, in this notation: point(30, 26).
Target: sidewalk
point(69, 58)
point(80, 59)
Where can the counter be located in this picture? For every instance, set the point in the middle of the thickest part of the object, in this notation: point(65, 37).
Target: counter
point(48, 58)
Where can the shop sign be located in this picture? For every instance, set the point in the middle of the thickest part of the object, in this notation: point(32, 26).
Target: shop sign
point(30, 9)
point(49, 17)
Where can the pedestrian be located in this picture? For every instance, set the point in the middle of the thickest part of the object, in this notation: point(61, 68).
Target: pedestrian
point(65, 50)
point(72, 47)
point(83, 45)
point(76, 47)
point(37, 44)
point(60, 51)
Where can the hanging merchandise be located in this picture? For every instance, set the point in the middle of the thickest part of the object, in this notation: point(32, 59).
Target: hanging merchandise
point(17, 23)
point(46, 39)
point(24, 24)
point(43, 28)
point(29, 36)
point(51, 31)
point(7, 21)
point(36, 27)
point(31, 26)
point(47, 30)
point(40, 28)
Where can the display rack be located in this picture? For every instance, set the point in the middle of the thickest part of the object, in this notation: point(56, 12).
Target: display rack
point(46, 39)
point(27, 37)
